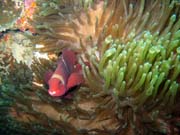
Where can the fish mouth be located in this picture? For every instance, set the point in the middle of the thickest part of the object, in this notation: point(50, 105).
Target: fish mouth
point(52, 93)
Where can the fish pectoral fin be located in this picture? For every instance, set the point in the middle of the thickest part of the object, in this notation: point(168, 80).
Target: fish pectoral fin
point(74, 80)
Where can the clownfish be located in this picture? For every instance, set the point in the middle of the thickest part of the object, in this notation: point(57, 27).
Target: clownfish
point(67, 75)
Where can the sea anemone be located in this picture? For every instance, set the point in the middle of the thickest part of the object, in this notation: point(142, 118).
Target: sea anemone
point(131, 82)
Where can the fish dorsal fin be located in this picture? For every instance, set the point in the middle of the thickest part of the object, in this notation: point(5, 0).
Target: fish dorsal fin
point(69, 59)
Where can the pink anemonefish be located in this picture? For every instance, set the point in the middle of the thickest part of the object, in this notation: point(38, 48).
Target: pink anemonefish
point(67, 75)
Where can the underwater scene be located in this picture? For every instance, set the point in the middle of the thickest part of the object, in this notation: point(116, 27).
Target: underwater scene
point(90, 67)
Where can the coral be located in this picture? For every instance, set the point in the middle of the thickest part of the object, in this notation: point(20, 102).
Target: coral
point(22, 48)
point(19, 46)
point(29, 7)
point(132, 81)
point(10, 11)
point(16, 14)
point(6, 59)
point(9, 93)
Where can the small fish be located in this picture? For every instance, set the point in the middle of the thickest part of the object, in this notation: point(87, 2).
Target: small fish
point(67, 75)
